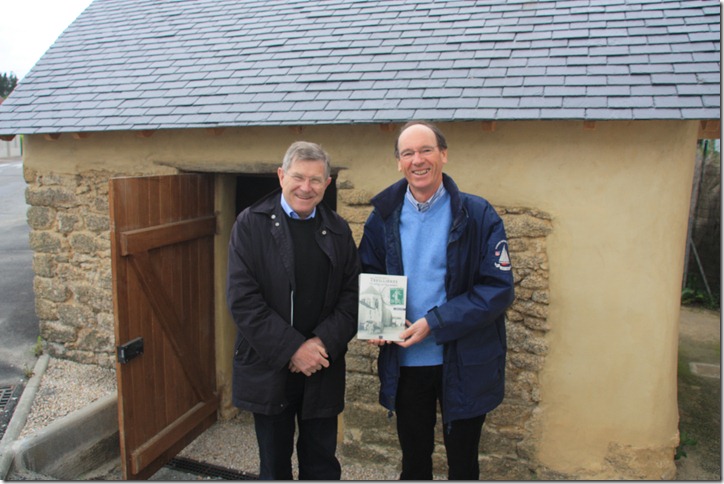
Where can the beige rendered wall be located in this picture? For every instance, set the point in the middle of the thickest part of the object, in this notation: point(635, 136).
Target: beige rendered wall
point(618, 195)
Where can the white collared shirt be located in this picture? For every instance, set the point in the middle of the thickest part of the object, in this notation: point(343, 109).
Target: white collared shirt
point(291, 213)
point(425, 206)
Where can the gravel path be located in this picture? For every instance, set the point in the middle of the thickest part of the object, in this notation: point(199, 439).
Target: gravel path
point(67, 386)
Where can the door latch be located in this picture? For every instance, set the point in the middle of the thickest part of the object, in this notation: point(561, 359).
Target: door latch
point(130, 350)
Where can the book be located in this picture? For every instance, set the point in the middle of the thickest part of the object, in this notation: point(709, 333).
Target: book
point(382, 306)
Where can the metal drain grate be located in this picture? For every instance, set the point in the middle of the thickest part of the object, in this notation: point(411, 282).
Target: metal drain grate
point(7, 406)
point(5, 394)
point(209, 470)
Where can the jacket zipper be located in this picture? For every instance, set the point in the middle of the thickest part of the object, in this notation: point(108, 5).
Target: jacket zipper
point(291, 316)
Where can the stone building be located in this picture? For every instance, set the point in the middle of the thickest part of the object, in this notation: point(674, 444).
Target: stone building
point(578, 120)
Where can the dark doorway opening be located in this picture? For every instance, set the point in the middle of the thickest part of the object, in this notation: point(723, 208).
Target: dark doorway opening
point(250, 188)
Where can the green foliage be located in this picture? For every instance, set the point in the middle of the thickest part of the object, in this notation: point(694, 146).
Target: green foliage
point(29, 373)
point(38, 347)
point(7, 84)
point(683, 442)
point(692, 296)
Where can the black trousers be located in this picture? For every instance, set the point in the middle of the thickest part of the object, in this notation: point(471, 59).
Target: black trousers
point(419, 390)
point(316, 444)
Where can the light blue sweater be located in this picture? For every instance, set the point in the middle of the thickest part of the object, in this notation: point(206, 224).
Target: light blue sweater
point(424, 241)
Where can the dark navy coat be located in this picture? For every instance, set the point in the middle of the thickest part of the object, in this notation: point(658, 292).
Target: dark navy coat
point(260, 289)
point(479, 287)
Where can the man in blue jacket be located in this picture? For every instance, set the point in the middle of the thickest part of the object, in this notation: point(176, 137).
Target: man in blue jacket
point(453, 249)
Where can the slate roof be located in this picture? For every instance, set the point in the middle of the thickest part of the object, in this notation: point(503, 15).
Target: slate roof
point(161, 64)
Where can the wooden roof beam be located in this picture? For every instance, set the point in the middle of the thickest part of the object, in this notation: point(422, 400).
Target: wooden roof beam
point(488, 126)
point(710, 129)
point(215, 131)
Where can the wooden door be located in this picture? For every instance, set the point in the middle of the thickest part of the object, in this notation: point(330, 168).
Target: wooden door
point(162, 230)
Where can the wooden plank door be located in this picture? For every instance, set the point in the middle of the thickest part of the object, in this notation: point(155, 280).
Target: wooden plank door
point(162, 230)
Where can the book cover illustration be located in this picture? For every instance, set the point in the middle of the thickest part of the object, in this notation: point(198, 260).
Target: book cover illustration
point(382, 305)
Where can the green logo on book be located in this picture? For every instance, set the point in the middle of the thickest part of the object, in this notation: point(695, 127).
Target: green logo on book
point(397, 296)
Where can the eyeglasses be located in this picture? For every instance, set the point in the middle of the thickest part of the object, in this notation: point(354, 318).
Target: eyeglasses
point(425, 151)
point(314, 181)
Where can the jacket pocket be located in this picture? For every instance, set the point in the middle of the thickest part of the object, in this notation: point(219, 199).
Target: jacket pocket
point(258, 388)
point(244, 353)
point(481, 364)
point(481, 377)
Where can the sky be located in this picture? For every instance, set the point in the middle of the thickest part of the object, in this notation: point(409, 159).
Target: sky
point(29, 27)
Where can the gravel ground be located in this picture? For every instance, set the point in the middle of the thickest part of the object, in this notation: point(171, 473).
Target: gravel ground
point(67, 386)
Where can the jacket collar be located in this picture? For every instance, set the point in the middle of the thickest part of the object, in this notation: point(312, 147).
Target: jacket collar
point(271, 206)
point(389, 199)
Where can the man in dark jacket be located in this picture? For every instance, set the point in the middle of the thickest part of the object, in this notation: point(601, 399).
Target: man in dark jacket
point(292, 290)
point(453, 249)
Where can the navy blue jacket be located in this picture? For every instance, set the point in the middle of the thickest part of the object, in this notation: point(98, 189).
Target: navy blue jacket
point(479, 286)
point(260, 290)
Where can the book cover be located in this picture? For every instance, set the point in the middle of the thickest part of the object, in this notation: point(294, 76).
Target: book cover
point(382, 305)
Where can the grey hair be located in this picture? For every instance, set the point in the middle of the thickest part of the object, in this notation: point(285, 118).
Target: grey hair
point(306, 151)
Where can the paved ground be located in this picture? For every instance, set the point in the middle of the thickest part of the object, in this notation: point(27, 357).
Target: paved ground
point(699, 395)
point(18, 323)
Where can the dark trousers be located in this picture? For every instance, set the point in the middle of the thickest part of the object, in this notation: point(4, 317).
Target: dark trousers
point(419, 390)
point(316, 444)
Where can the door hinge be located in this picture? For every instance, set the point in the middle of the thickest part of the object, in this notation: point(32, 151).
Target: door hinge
point(128, 351)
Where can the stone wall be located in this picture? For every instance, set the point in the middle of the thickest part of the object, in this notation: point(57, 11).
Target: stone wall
point(70, 237)
point(508, 446)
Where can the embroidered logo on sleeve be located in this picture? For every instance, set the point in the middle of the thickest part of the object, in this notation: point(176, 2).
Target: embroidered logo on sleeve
point(501, 252)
